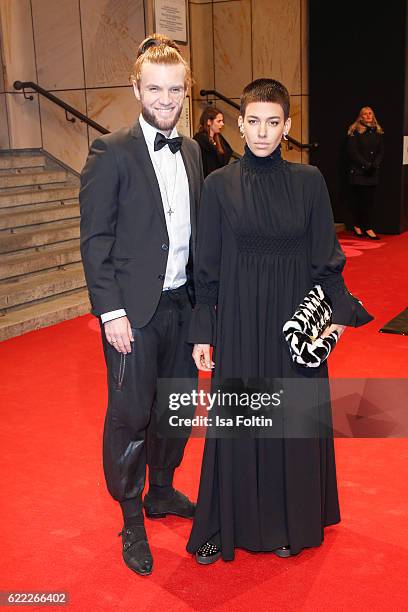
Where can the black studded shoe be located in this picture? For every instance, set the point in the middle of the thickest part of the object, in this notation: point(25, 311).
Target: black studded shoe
point(283, 551)
point(135, 550)
point(208, 553)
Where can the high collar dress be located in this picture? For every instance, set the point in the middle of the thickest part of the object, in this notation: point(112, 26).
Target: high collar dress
point(266, 236)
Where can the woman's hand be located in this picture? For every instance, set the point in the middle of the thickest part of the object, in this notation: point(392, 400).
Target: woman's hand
point(339, 328)
point(202, 359)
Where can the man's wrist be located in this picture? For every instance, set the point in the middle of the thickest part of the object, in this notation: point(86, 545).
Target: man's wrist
point(113, 314)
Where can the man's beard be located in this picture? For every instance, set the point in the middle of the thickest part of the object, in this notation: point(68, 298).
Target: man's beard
point(161, 123)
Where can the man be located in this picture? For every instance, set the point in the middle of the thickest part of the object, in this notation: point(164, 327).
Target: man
point(139, 195)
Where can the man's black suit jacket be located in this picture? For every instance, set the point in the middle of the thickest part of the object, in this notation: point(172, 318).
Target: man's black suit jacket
point(124, 239)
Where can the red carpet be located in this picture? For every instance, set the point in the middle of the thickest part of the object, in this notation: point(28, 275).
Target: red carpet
point(60, 525)
point(376, 272)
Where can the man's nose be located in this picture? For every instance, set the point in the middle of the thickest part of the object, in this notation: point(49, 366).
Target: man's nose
point(165, 98)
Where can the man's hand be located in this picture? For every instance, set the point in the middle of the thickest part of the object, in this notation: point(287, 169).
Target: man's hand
point(339, 328)
point(119, 334)
point(202, 359)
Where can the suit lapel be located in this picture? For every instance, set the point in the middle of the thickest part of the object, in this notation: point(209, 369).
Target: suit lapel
point(146, 163)
point(191, 175)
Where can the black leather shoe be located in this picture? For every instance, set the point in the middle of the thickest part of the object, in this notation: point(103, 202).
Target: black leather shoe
point(283, 551)
point(135, 550)
point(208, 553)
point(175, 503)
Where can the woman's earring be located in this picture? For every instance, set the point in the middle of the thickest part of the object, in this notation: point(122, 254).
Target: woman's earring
point(241, 129)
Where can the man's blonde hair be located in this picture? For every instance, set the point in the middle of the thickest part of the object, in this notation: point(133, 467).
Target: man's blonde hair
point(158, 49)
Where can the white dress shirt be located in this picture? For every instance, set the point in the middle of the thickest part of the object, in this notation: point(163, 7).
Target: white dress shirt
point(174, 189)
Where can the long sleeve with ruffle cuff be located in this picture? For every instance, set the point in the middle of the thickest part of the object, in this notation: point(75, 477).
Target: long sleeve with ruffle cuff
point(347, 309)
point(203, 324)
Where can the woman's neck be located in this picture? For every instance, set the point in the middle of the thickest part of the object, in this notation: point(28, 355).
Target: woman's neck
point(269, 163)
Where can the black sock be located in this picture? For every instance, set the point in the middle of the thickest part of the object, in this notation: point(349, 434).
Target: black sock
point(160, 491)
point(132, 512)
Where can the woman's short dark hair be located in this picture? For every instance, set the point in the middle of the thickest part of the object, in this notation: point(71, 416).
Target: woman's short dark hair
point(266, 90)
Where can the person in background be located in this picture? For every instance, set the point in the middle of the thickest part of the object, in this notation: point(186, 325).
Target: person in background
point(215, 150)
point(365, 152)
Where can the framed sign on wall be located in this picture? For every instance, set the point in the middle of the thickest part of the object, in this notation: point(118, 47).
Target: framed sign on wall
point(170, 19)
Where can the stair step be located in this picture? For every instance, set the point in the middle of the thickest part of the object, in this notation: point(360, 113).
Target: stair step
point(56, 231)
point(32, 178)
point(21, 161)
point(40, 285)
point(40, 258)
point(19, 171)
point(34, 196)
point(48, 312)
point(38, 214)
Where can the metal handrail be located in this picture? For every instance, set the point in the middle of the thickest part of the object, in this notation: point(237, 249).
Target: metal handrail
point(292, 141)
point(23, 85)
point(217, 94)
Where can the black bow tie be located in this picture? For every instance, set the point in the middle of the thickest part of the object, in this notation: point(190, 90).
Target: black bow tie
point(161, 141)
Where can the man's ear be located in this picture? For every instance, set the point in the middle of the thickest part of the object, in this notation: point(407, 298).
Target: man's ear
point(240, 121)
point(288, 124)
point(136, 90)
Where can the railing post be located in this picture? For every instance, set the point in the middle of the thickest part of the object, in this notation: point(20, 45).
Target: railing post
point(19, 85)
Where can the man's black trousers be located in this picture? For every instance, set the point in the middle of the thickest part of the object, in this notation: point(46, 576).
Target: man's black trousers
point(130, 437)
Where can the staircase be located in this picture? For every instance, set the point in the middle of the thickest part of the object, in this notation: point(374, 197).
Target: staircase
point(41, 275)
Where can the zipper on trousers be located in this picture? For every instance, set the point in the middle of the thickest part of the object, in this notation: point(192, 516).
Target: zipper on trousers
point(122, 365)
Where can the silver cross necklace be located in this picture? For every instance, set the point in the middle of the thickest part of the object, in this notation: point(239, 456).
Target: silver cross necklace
point(169, 203)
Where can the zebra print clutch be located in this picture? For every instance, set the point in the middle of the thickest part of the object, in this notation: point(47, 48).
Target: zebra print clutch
point(303, 331)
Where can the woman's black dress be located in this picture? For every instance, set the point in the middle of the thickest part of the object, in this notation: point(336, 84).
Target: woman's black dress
point(211, 158)
point(266, 236)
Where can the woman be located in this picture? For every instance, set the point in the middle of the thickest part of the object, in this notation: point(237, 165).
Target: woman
point(266, 237)
point(215, 150)
point(366, 151)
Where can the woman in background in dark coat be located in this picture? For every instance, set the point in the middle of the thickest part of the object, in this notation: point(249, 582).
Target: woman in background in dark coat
point(215, 150)
point(366, 151)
